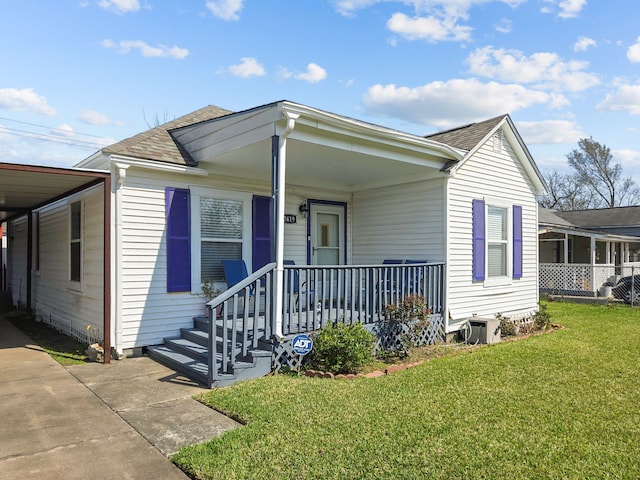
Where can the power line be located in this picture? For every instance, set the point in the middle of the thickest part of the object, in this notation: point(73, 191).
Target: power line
point(51, 138)
point(49, 128)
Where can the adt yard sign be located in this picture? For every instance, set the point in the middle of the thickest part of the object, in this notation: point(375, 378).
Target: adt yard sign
point(302, 344)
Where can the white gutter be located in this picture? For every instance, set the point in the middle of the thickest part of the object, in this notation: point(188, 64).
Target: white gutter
point(279, 233)
point(123, 161)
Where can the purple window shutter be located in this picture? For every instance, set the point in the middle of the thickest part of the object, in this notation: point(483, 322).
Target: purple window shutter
point(517, 241)
point(479, 234)
point(261, 234)
point(177, 203)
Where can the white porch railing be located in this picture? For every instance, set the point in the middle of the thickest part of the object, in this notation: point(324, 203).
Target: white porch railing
point(317, 295)
point(244, 315)
point(574, 278)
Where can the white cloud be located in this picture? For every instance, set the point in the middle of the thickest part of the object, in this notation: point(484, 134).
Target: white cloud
point(571, 8)
point(431, 29)
point(65, 130)
point(630, 159)
point(568, 8)
point(583, 44)
point(120, 6)
point(431, 20)
point(314, 74)
point(226, 9)
point(348, 7)
point(161, 51)
point(25, 100)
point(633, 52)
point(549, 131)
point(625, 99)
point(503, 26)
point(249, 67)
point(92, 117)
point(544, 70)
point(447, 104)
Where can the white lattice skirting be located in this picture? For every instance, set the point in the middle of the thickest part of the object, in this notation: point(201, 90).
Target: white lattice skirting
point(284, 356)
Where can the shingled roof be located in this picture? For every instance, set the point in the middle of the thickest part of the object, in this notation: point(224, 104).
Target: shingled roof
point(467, 136)
point(603, 217)
point(157, 143)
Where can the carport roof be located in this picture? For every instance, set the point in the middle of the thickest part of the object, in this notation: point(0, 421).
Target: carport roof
point(26, 187)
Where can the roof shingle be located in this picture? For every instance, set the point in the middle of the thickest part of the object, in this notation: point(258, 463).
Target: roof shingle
point(467, 136)
point(158, 144)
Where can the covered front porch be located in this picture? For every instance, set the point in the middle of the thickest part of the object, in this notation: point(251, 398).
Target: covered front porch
point(354, 219)
point(583, 263)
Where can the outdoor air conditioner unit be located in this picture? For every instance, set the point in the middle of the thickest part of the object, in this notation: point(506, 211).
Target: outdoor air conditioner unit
point(484, 330)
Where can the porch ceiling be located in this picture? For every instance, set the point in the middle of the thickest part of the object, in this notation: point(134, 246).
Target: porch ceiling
point(325, 166)
point(24, 187)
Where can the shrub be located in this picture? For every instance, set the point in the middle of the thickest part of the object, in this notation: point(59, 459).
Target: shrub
point(407, 321)
point(340, 348)
point(542, 318)
point(508, 328)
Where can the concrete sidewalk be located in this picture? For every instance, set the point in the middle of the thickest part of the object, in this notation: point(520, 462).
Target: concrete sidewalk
point(114, 421)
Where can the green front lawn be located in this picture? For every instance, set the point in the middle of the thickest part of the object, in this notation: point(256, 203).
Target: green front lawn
point(560, 405)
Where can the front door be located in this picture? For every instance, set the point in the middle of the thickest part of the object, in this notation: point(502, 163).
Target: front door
point(327, 233)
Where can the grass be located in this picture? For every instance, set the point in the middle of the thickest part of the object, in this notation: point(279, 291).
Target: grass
point(560, 405)
point(64, 349)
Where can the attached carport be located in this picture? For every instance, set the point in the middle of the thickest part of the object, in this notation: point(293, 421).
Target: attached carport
point(25, 188)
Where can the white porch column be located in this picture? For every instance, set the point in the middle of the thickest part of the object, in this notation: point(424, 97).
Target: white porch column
point(278, 188)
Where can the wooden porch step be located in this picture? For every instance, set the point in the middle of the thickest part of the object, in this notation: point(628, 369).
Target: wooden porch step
point(187, 347)
point(184, 364)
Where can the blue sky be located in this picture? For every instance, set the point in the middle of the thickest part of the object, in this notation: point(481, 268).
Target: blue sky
point(75, 75)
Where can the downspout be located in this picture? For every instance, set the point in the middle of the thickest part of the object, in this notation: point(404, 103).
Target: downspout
point(106, 267)
point(120, 174)
point(279, 177)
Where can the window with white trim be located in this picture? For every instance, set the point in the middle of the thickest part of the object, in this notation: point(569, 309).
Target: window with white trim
point(221, 226)
point(497, 241)
point(75, 242)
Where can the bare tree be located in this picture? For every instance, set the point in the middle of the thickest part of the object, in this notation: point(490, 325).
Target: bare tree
point(592, 163)
point(566, 192)
point(593, 183)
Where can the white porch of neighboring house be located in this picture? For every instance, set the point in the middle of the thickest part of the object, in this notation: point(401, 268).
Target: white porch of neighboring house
point(581, 262)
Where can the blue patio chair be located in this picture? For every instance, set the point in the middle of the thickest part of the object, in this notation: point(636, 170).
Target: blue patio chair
point(292, 279)
point(234, 272)
point(388, 285)
point(415, 277)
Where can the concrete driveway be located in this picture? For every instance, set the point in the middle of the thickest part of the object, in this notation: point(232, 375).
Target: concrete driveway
point(87, 421)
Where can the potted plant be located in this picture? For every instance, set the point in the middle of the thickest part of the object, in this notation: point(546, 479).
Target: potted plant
point(209, 292)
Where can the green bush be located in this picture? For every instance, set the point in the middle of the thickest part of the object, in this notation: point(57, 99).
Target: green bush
point(406, 321)
point(542, 318)
point(340, 348)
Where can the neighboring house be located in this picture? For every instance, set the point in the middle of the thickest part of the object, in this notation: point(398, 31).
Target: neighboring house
point(582, 250)
point(277, 184)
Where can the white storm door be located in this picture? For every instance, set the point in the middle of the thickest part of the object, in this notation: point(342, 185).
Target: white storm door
point(327, 234)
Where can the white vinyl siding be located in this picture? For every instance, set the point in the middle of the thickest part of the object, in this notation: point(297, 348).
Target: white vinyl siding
point(498, 177)
point(17, 267)
point(56, 300)
point(399, 222)
point(146, 312)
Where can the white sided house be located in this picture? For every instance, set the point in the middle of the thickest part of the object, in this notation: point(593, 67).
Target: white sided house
point(333, 217)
